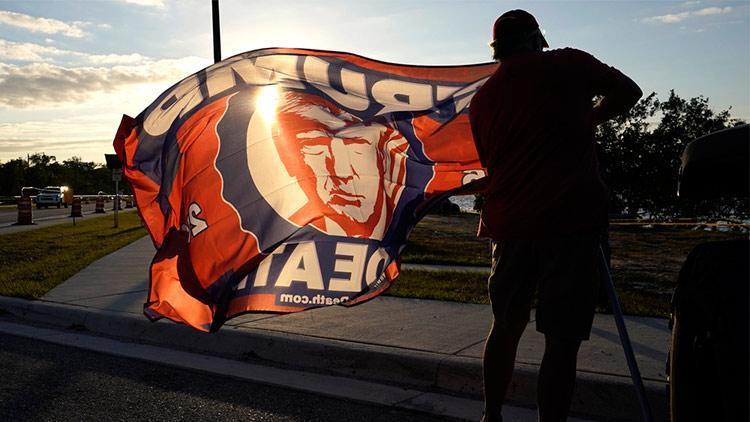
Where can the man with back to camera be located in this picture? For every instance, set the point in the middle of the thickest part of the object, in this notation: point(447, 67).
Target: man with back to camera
point(545, 204)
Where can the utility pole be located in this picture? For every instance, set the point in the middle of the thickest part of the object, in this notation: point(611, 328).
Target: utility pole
point(217, 31)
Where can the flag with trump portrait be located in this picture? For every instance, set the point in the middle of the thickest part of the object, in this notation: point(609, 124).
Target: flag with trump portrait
point(280, 180)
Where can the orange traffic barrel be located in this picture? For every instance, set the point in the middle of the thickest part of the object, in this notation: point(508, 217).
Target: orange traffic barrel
point(129, 202)
point(75, 209)
point(116, 204)
point(99, 205)
point(25, 213)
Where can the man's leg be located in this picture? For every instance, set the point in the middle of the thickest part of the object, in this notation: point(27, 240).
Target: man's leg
point(510, 290)
point(499, 360)
point(557, 377)
point(568, 287)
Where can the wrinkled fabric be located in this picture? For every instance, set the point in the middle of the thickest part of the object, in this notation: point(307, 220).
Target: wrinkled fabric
point(281, 180)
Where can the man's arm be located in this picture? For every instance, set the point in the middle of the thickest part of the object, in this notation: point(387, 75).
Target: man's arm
point(618, 92)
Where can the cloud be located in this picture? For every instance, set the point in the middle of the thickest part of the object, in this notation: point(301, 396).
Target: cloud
point(47, 84)
point(10, 50)
point(71, 128)
point(679, 17)
point(17, 147)
point(88, 135)
point(43, 25)
point(88, 149)
point(105, 59)
point(713, 11)
point(30, 52)
point(158, 4)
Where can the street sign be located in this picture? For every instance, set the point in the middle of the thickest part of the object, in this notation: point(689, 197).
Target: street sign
point(116, 175)
point(113, 161)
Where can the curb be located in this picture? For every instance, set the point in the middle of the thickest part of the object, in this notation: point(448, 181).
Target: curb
point(604, 397)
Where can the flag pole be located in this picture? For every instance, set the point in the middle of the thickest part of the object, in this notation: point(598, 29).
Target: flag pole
point(627, 347)
point(216, 29)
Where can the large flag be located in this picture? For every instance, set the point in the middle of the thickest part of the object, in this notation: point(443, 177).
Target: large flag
point(285, 179)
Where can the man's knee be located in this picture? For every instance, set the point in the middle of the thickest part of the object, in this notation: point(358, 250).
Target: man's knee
point(514, 325)
point(560, 347)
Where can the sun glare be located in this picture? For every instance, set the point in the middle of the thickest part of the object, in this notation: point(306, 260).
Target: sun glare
point(266, 102)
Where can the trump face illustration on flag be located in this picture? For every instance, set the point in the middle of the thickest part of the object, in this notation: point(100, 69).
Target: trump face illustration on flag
point(351, 172)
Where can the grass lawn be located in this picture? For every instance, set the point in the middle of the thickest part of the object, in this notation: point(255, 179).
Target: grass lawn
point(454, 286)
point(447, 239)
point(645, 262)
point(35, 261)
point(472, 288)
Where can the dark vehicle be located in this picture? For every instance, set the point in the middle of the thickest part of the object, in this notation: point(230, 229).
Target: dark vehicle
point(29, 191)
point(709, 361)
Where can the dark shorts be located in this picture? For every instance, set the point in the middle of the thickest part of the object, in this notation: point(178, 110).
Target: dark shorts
point(565, 273)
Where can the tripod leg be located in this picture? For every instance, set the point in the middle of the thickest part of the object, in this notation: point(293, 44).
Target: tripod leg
point(635, 374)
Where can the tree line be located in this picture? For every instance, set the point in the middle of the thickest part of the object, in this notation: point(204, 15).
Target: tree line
point(40, 170)
point(639, 157)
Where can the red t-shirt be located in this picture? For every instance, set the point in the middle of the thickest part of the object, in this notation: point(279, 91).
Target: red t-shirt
point(532, 124)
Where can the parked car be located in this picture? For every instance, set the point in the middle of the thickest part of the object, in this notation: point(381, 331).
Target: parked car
point(51, 196)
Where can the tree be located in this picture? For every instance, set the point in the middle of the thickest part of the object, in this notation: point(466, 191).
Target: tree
point(79, 175)
point(40, 170)
point(641, 156)
point(623, 144)
point(13, 177)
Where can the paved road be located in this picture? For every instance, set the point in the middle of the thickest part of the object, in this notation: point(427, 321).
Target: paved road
point(8, 215)
point(42, 381)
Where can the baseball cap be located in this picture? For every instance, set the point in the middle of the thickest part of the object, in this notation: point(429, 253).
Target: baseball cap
point(515, 24)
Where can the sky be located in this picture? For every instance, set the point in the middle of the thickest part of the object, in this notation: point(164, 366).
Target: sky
point(69, 70)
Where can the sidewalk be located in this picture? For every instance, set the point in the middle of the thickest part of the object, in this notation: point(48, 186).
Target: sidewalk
point(417, 343)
